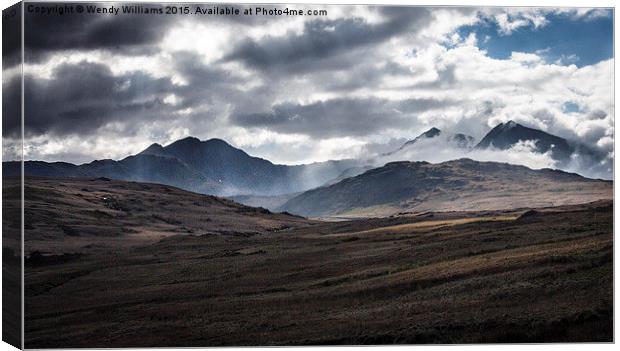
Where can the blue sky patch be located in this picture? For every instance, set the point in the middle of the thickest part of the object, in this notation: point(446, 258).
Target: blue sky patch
point(564, 40)
point(570, 106)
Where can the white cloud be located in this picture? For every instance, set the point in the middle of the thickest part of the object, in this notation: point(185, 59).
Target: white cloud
point(526, 58)
point(513, 19)
point(439, 150)
point(587, 14)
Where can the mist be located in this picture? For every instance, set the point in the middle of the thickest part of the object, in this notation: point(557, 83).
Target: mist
point(442, 149)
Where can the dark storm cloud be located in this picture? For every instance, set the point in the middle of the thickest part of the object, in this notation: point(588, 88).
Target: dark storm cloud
point(339, 117)
point(326, 39)
point(124, 33)
point(11, 87)
point(205, 83)
point(11, 38)
point(83, 97)
point(11, 108)
point(80, 98)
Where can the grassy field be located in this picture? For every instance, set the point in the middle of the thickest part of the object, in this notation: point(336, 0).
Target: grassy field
point(454, 277)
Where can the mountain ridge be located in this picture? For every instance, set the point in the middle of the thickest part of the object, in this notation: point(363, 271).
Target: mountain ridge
point(215, 167)
point(462, 184)
point(212, 167)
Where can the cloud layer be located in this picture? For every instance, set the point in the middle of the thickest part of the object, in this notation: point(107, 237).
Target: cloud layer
point(300, 89)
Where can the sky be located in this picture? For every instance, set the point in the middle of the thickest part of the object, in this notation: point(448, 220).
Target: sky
point(359, 81)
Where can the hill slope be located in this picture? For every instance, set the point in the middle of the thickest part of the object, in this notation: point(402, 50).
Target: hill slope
point(454, 185)
point(68, 211)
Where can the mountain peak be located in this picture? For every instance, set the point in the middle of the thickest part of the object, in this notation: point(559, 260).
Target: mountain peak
point(189, 139)
point(186, 144)
point(193, 141)
point(154, 149)
point(433, 132)
point(217, 141)
point(506, 135)
point(511, 124)
point(457, 140)
point(429, 134)
point(154, 146)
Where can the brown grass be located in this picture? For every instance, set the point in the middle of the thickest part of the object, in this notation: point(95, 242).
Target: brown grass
point(432, 278)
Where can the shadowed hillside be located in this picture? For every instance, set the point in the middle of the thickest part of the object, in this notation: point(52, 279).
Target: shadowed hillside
point(73, 214)
point(454, 185)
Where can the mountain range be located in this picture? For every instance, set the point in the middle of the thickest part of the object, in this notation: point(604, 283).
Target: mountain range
point(504, 136)
point(210, 167)
point(217, 168)
point(458, 185)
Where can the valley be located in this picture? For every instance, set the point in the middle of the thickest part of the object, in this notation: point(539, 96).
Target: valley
point(137, 265)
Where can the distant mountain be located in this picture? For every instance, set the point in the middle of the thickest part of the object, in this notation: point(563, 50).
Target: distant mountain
point(245, 174)
point(506, 135)
point(141, 168)
point(429, 134)
point(454, 185)
point(217, 168)
point(443, 139)
point(462, 140)
point(234, 169)
point(210, 167)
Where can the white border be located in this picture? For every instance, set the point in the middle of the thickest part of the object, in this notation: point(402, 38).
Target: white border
point(477, 3)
